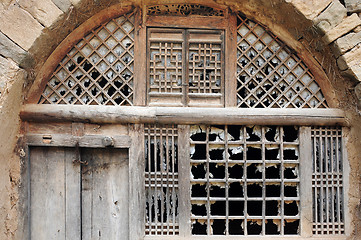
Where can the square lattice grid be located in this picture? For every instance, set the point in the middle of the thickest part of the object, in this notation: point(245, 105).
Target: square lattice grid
point(161, 180)
point(244, 180)
point(269, 75)
point(327, 181)
point(205, 68)
point(99, 68)
point(185, 66)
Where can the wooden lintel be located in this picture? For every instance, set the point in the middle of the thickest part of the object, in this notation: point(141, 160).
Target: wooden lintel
point(64, 140)
point(181, 115)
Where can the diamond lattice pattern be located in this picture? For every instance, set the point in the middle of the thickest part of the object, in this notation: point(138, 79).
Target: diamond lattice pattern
point(269, 75)
point(98, 70)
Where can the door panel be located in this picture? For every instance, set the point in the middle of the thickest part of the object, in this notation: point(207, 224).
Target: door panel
point(54, 194)
point(105, 194)
point(73, 201)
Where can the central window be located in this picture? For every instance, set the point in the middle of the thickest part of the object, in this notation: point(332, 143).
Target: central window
point(185, 67)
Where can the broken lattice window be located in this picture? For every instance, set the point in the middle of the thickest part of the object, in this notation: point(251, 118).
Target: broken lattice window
point(327, 181)
point(161, 180)
point(269, 75)
point(244, 180)
point(98, 70)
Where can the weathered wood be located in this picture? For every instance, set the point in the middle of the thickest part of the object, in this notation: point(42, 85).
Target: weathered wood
point(179, 115)
point(105, 194)
point(183, 22)
point(89, 141)
point(140, 44)
point(305, 181)
point(77, 129)
point(230, 89)
point(136, 183)
point(346, 180)
point(49, 128)
point(54, 194)
point(184, 180)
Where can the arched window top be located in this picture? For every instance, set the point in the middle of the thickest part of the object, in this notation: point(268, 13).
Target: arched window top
point(269, 74)
point(99, 69)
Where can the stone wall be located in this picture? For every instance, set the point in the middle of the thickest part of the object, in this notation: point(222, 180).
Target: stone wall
point(31, 29)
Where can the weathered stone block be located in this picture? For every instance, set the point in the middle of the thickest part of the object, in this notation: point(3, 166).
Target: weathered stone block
point(344, 27)
point(310, 9)
point(63, 5)
point(350, 61)
point(20, 26)
point(356, 70)
point(345, 43)
point(10, 50)
point(75, 2)
point(45, 11)
point(5, 3)
point(8, 70)
point(353, 5)
point(332, 16)
point(357, 29)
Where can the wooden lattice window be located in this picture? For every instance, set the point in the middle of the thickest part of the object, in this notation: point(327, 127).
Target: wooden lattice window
point(327, 181)
point(98, 70)
point(244, 180)
point(161, 180)
point(185, 67)
point(269, 75)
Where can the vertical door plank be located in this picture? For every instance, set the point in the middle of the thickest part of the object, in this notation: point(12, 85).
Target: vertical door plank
point(105, 194)
point(72, 199)
point(51, 196)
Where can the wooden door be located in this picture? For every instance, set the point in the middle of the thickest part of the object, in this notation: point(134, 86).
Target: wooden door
point(78, 201)
point(105, 194)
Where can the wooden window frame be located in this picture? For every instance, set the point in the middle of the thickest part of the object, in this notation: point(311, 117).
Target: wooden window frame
point(226, 23)
point(185, 95)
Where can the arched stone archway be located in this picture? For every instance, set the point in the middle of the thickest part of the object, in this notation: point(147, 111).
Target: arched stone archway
point(326, 30)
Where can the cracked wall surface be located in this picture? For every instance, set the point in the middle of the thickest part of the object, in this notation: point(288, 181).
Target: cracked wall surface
point(30, 30)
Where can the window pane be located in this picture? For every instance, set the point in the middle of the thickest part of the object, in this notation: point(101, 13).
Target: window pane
point(242, 182)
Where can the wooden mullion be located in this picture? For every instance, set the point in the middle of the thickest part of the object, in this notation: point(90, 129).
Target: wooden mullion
point(345, 180)
point(229, 83)
point(305, 166)
point(184, 197)
point(185, 63)
point(136, 183)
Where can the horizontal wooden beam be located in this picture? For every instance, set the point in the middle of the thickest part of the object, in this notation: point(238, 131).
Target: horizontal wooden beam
point(181, 115)
point(88, 141)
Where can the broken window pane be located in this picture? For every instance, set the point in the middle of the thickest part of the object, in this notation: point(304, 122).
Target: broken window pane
point(161, 180)
point(327, 184)
point(244, 180)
